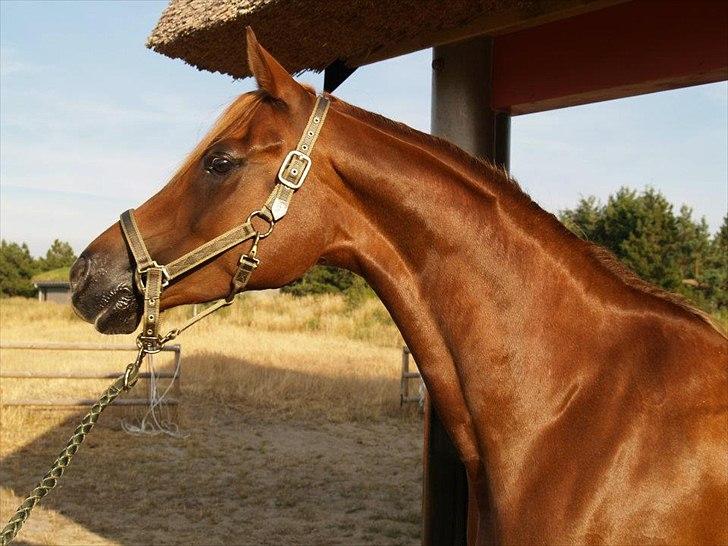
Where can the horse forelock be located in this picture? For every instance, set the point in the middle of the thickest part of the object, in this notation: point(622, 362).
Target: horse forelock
point(233, 122)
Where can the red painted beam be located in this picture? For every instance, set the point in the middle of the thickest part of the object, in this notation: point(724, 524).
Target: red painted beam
point(632, 48)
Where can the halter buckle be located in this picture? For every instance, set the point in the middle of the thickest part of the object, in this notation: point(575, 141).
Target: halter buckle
point(294, 170)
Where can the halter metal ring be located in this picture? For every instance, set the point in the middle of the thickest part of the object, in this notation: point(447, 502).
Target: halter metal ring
point(154, 265)
point(266, 218)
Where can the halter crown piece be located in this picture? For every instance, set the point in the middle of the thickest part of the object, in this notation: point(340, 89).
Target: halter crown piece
point(152, 278)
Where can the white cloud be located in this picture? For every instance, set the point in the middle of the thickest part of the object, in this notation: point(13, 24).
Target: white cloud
point(86, 167)
point(11, 64)
point(37, 217)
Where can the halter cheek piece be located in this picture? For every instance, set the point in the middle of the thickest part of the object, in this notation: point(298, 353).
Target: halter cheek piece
point(151, 278)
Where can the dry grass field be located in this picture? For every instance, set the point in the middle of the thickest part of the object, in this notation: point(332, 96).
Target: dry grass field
point(292, 428)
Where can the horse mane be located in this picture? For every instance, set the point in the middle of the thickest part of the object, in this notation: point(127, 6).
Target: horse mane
point(485, 168)
point(234, 120)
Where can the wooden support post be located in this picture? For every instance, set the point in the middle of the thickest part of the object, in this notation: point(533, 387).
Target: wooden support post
point(461, 113)
point(404, 381)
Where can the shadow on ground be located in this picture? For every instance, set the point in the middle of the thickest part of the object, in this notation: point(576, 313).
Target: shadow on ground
point(240, 476)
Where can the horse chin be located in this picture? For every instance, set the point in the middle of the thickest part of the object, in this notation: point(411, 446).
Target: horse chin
point(117, 321)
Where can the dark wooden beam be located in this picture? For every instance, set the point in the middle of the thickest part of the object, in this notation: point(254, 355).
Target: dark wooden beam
point(336, 74)
point(627, 49)
point(461, 98)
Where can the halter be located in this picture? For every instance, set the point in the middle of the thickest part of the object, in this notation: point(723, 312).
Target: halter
point(151, 278)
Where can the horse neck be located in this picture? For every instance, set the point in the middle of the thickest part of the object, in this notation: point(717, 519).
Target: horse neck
point(496, 300)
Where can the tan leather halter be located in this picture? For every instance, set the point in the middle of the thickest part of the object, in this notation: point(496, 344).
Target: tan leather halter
point(152, 278)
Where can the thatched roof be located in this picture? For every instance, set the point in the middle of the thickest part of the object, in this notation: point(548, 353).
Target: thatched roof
point(310, 34)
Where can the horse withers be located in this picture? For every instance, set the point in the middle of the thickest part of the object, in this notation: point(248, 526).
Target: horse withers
point(587, 406)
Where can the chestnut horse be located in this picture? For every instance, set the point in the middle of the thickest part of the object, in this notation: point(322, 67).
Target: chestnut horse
point(588, 407)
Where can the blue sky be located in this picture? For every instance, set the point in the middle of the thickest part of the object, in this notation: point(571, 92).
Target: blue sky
point(92, 123)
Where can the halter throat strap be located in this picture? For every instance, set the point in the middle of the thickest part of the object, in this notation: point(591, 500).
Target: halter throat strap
point(151, 278)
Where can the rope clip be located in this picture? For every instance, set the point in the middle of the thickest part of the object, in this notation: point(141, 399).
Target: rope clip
point(131, 374)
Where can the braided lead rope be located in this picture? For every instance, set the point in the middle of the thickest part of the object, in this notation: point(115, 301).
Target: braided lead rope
point(123, 383)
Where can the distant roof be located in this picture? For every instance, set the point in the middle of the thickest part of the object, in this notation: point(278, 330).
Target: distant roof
point(54, 276)
point(52, 284)
point(310, 35)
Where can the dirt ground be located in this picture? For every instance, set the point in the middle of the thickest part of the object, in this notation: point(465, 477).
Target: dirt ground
point(238, 477)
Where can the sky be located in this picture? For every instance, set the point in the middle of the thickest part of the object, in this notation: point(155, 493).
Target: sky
point(93, 123)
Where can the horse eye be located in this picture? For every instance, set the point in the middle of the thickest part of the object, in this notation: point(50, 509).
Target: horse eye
point(220, 165)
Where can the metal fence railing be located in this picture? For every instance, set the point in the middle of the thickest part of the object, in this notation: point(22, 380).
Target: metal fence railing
point(176, 349)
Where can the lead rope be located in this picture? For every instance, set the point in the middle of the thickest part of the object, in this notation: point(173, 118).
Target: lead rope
point(147, 345)
point(291, 176)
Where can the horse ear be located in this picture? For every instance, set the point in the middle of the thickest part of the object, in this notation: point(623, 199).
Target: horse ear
point(268, 73)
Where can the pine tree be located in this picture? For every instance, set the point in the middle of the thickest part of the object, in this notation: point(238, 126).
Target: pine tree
point(584, 220)
point(620, 218)
point(60, 254)
point(715, 274)
point(650, 249)
point(693, 244)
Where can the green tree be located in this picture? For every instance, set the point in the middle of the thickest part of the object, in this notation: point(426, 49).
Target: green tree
point(693, 244)
point(642, 230)
point(322, 279)
point(60, 254)
point(650, 248)
point(584, 219)
point(620, 218)
point(16, 268)
point(715, 273)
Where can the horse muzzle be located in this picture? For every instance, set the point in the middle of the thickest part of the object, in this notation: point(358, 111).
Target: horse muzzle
point(103, 293)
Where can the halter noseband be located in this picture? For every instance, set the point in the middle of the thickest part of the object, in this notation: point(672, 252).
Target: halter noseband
point(152, 278)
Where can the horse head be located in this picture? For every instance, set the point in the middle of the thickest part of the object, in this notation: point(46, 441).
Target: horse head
point(228, 176)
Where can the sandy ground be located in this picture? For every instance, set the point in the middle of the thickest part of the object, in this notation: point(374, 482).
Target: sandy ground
point(238, 477)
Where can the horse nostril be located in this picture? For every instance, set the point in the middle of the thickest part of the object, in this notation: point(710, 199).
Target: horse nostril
point(79, 271)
